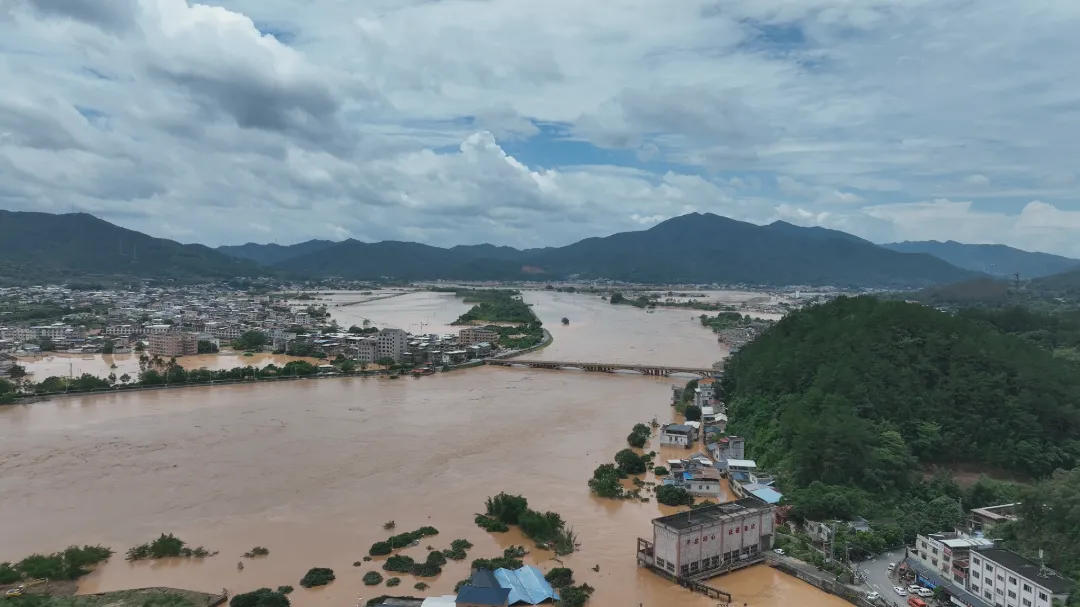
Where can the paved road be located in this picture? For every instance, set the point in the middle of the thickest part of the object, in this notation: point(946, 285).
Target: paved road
point(878, 577)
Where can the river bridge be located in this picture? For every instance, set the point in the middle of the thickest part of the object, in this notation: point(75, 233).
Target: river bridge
point(602, 367)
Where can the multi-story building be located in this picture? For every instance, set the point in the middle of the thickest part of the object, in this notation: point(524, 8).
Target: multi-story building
point(363, 349)
point(728, 447)
point(705, 392)
point(121, 330)
point(683, 435)
point(474, 335)
point(986, 518)
point(1006, 579)
point(58, 331)
point(713, 537)
point(173, 344)
point(946, 554)
point(392, 343)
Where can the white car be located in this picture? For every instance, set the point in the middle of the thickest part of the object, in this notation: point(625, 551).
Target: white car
point(925, 592)
point(913, 589)
point(779, 551)
point(873, 596)
point(900, 591)
point(892, 566)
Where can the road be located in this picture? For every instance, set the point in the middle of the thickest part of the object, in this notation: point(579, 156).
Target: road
point(878, 577)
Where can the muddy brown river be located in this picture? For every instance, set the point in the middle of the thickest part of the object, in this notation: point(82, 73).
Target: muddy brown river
point(312, 469)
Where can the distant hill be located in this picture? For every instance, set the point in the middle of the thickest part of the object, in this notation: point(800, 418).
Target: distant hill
point(271, 254)
point(993, 259)
point(694, 248)
point(981, 291)
point(41, 247)
point(1063, 285)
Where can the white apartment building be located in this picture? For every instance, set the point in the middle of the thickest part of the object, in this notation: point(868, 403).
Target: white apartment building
point(121, 330)
point(1006, 579)
point(364, 349)
point(712, 537)
point(157, 329)
point(392, 343)
point(54, 331)
point(682, 435)
point(705, 392)
point(947, 554)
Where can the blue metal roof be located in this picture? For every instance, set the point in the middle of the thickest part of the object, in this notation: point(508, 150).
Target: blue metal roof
point(483, 589)
point(767, 494)
point(527, 586)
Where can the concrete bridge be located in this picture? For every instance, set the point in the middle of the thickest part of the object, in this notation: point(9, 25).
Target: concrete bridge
point(656, 370)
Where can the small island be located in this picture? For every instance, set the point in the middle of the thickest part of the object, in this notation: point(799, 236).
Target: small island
point(565, 320)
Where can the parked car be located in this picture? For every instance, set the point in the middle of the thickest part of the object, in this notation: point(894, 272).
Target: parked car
point(900, 591)
point(873, 596)
point(925, 592)
point(892, 566)
point(913, 589)
point(779, 551)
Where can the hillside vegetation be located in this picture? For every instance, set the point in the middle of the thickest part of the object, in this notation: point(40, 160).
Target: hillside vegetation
point(849, 401)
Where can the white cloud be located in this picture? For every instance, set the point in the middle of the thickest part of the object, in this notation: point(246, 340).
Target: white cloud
point(229, 120)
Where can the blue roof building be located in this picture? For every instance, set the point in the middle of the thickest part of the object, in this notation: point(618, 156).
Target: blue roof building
point(767, 495)
point(527, 586)
point(483, 589)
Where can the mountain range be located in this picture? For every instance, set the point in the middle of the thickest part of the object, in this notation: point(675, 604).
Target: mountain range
point(695, 248)
point(992, 259)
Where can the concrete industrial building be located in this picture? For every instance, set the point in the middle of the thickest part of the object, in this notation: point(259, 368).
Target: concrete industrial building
point(712, 538)
point(173, 344)
point(947, 553)
point(1006, 579)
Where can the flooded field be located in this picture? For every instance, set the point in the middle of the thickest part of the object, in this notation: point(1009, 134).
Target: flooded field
point(312, 469)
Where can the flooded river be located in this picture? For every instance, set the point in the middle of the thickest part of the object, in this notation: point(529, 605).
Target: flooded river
point(311, 470)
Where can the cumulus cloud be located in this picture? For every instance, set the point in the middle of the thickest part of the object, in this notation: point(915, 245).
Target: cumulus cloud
point(892, 119)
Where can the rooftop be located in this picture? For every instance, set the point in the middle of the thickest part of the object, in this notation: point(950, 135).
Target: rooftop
point(1029, 569)
point(712, 514)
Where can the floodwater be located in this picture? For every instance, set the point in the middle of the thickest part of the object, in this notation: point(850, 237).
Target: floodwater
point(422, 312)
point(602, 332)
point(74, 365)
point(312, 469)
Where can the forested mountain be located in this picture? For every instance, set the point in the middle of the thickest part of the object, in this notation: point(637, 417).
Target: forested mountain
point(694, 248)
point(1066, 284)
point(41, 247)
point(270, 254)
point(993, 259)
point(849, 400)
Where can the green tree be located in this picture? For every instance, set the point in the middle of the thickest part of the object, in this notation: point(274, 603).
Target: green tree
point(605, 481)
point(693, 413)
point(630, 462)
point(263, 597)
point(251, 340)
point(671, 495)
point(205, 346)
point(16, 372)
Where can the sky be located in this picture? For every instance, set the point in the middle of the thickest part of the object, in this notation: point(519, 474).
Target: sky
point(540, 123)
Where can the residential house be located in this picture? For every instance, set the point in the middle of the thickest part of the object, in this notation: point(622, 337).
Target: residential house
point(1005, 578)
point(704, 393)
point(702, 482)
point(168, 345)
point(727, 448)
point(683, 435)
point(474, 335)
point(483, 590)
point(392, 343)
point(985, 519)
point(709, 538)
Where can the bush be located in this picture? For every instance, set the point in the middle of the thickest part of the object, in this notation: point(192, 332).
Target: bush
point(575, 596)
point(500, 562)
point(507, 508)
point(317, 576)
point(263, 597)
point(394, 581)
point(166, 546)
point(515, 552)
point(257, 551)
point(693, 413)
point(285, 589)
point(372, 578)
point(70, 564)
point(490, 524)
point(400, 541)
point(399, 563)
point(560, 577)
point(639, 436)
point(457, 550)
point(630, 462)
point(380, 549)
point(436, 558)
point(605, 481)
point(673, 496)
point(420, 586)
point(660, 471)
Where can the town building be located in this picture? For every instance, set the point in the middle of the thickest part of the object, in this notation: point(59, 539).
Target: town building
point(946, 554)
point(985, 519)
point(1002, 577)
point(173, 344)
point(474, 335)
point(391, 343)
point(702, 482)
point(711, 538)
point(683, 435)
point(727, 448)
point(705, 392)
point(55, 332)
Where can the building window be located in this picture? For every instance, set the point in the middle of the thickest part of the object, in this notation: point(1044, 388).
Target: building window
point(1027, 588)
point(988, 595)
point(1042, 596)
point(934, 561)
point(989, 567)
point(684, 570)
point(974, 588)
point(1012, 580)
point(1000, 591)
point(671, 567)
point(1027, 603)
point(693, 567)
point(934, 550)
point(975, 574)
point(923, 555)
point(1012, 594)
point(660, 563)
point(1001, 579)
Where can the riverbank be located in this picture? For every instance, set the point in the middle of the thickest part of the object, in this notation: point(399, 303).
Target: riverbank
point(62, 594)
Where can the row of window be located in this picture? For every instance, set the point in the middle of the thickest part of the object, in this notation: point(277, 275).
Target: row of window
point(1012, 595)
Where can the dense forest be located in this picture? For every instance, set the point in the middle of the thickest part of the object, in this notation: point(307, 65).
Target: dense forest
point(851, 401)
